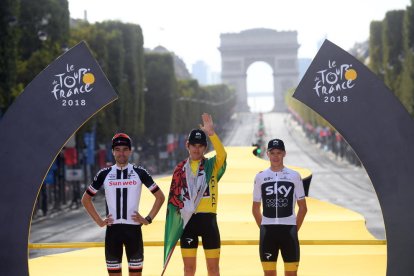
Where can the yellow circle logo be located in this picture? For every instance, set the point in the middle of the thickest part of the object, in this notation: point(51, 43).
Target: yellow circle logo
point(88, 78)
point(351, 74)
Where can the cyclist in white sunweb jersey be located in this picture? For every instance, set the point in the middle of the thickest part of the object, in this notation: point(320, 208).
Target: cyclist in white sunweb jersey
point(123, 184)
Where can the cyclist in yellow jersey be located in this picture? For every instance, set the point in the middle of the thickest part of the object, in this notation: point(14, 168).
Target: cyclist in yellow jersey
point(200, 176)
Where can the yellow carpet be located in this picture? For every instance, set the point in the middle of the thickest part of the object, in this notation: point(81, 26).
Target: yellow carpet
point(325, 223)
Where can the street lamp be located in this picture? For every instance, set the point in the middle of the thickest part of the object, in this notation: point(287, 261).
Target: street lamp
point(42, 35)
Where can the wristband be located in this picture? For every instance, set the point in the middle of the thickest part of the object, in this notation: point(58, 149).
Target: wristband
point(149, 219)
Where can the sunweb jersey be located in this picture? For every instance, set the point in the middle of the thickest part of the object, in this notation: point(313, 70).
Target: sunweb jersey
point(278, 193)
point(122, 190)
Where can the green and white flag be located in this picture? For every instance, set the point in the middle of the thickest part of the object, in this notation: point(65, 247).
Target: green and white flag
point(185, 194)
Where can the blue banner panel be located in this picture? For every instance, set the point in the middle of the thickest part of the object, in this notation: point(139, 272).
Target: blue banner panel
point(33, 131)
point(381, 132)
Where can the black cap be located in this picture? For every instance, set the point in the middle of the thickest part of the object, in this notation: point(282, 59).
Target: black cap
point(197, 136)
point(275, 144)
point(121, 139)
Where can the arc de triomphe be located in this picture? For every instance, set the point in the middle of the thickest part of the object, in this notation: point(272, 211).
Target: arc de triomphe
point(278, 49)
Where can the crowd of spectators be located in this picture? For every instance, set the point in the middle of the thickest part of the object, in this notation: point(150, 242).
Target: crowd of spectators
point(329, 140)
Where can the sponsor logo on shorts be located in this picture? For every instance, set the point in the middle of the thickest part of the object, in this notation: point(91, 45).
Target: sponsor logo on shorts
point(189, 240)
point(268, 255)
point(112, 265)
point(135, 263)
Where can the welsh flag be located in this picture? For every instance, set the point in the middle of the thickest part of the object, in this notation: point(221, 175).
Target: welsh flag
point(182, 203)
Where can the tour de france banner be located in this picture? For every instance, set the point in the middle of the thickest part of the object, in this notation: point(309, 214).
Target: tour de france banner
point(381, 132)
point(33, 131)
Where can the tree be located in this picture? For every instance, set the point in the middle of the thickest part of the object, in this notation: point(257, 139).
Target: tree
point(44, 27)
point(118, 48)
point(375, 48)
point(9, 37)
point(41, 21)
point(393, 49)
point(407, 83)
point(160, 94)
point(32, 34)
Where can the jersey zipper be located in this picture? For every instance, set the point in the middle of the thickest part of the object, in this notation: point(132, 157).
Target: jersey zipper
point(121, 207)
point(276, 197)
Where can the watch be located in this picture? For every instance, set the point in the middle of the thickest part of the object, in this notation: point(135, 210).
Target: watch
point(149, 219)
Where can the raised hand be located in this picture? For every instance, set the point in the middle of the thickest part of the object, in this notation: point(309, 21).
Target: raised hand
point(208, 125)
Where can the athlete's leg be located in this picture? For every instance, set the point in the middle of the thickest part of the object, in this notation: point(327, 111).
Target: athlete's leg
point(190, 265)
point(189, 253)
point(114, 250)
point(213, 267)
point(210, 235)
point(269, 268)
point(189, 245)
point(290, 250)
point(270, 273)
point(268, 249)
point(213, 261)
point(134, 249)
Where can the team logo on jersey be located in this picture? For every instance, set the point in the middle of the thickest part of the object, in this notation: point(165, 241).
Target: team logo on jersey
point(131, 173)
point(123, 183)
point(275, 189)
point(267, 178)
point(70, 86)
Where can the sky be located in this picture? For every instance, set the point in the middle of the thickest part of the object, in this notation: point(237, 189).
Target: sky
point(191, 28)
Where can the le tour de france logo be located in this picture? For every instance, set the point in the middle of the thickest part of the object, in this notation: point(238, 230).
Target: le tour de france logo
point(69, 87)
point(333, 82)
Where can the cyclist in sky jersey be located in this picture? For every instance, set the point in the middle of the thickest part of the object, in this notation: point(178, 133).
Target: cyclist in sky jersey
point(279, 189)
point(123, 183)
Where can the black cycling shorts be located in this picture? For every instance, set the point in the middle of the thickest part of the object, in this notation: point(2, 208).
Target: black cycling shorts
point(204, 225)
point(130, 236)
point(279, 237)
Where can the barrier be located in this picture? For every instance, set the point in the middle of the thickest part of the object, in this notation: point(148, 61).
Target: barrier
point(226, 242)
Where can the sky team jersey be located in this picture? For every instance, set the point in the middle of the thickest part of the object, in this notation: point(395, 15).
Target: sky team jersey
point(122, 190)
point(278, 192)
